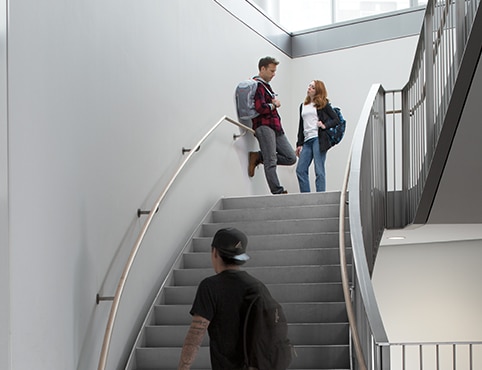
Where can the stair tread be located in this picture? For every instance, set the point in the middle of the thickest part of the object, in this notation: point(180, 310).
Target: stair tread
point(290, 324)
point(296, 346)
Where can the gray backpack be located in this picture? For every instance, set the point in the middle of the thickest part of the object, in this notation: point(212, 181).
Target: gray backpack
point(245, 99)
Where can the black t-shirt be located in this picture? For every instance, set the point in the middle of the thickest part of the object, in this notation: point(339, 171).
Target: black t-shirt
point(220, 299)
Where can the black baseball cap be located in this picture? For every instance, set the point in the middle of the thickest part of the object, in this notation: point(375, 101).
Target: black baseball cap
point(231, 243)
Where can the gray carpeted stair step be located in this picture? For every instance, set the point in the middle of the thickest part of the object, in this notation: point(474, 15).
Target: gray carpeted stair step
point(311, 225)
point(299, 334)
point(276, 213)
point(304, 292)
point(322, 357)
point(297, 200)
point(281, 241)
point(168, 357)
point(307, 357)
point(287, 257)
point(296, 312)
point(293, 244)
point(269, 275)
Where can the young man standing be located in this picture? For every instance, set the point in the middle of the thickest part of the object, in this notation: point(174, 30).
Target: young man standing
point(275, 148)
point(220, 305)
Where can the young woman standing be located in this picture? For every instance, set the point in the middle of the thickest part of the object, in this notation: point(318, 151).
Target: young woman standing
point(316, 117)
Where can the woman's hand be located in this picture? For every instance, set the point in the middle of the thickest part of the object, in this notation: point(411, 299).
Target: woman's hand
point(298, 150)
point(322, 125)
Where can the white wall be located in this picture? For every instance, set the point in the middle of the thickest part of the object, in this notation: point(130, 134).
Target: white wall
point(348, 75)
point(102, 96)
point(431, 292)
point(4, 230)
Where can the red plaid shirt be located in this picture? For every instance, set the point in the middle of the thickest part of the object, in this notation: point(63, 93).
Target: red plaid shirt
point(262, 98)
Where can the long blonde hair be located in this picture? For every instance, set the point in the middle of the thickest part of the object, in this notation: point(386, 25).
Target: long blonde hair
point(321, 95)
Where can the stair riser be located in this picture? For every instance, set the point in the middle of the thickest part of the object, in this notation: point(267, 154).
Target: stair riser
point(316, 312)
point(168, 358)
point(321, 357)
point(304, 257)
point(271, 242)
point(276, 227)
point(289, 213)
point(283, 201)
point(326, 292)
point(313, 312)
point(299, 334)
point(308, 357)
point(269, 275)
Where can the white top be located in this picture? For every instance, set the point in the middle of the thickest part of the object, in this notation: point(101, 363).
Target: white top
point(310, 121)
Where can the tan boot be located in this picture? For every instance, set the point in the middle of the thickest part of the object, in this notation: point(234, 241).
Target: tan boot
point(253, 161)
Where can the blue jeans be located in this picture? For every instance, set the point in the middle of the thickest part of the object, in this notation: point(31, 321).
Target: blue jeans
point(275, 150)
point(309, 152)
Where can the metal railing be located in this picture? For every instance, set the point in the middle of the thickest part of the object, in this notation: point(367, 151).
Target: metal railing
point(135, 249)
point(372, 348)
point(446, 33)
point(436, 355)
point(369, 179)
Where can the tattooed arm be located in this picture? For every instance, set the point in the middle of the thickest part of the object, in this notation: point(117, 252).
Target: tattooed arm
point(193, 341)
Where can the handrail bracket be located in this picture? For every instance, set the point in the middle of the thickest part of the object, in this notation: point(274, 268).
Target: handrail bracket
point(140, 212)
point(99, 298)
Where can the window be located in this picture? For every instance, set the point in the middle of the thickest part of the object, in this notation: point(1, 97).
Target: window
point(299, 15)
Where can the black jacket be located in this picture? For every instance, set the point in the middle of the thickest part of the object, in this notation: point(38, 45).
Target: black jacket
point(330, 119)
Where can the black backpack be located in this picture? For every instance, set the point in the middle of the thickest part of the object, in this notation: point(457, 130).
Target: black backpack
point(336, 133)
point(265, 333)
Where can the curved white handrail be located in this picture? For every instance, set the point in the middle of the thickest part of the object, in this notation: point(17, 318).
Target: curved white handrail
point(122, 281)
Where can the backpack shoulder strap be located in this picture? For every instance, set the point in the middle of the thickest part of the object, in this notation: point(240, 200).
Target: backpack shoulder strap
point(245, 327)
point(266, 86)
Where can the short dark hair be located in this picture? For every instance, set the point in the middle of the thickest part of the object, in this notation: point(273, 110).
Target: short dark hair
point(266, 61)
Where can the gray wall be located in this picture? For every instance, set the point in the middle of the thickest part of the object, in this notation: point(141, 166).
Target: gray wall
point(102, 96)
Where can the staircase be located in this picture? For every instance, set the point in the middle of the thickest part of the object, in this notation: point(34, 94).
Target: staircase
point(293, 245)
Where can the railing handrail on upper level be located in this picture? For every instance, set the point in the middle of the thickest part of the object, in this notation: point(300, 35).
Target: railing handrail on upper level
point(125, 273)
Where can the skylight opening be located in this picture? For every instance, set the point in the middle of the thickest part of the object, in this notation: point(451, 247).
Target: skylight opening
point(300, 15)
